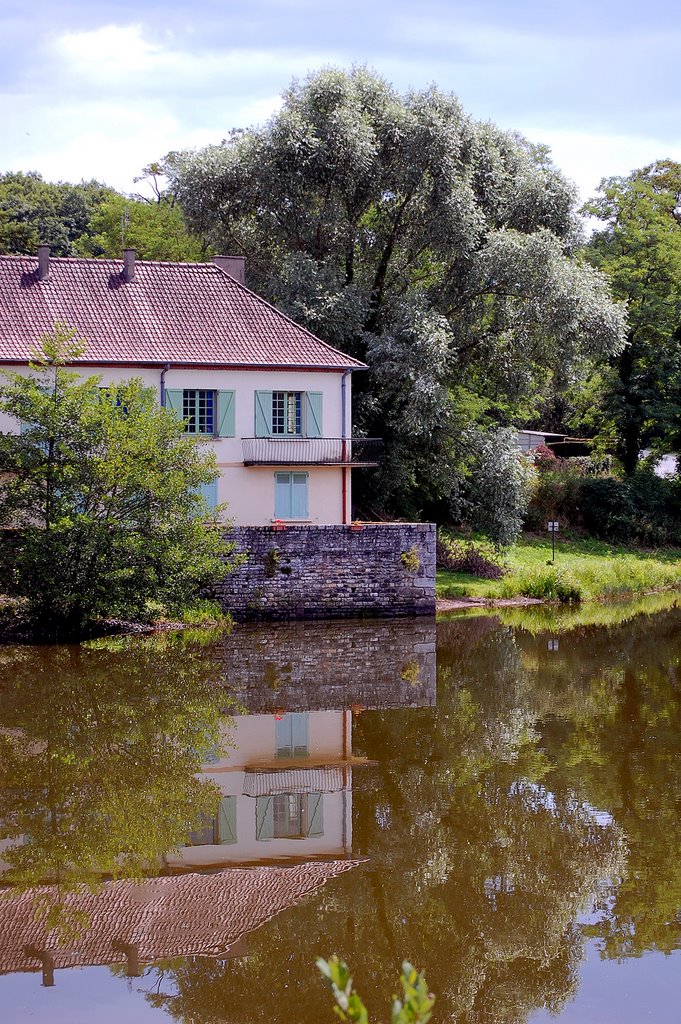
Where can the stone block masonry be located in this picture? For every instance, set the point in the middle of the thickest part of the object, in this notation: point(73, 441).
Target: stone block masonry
point(326, 572)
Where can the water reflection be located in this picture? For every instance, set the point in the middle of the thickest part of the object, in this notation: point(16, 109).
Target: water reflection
point(488, 821)
point(99, 750)
point(118, 761)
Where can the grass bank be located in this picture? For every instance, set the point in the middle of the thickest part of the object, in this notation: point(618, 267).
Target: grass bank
point(584, 570)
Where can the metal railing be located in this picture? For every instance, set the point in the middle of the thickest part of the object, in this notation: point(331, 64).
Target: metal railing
point(311, 451)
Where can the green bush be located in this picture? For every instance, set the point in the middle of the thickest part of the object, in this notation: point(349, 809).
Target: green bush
point(555, 495)
point(643, 509)
point(476, 557)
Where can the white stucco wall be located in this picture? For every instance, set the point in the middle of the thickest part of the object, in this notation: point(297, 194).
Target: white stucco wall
point(329, 740)
point(249, 490)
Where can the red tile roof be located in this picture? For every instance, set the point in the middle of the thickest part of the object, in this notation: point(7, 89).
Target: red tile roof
point(182, 915)
point(189, 313)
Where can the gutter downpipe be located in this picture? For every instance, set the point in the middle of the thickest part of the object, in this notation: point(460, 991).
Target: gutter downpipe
point(164, 371)
point(344, 435)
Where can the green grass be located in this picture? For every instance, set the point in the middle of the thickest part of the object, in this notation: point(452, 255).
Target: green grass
point(584, 570)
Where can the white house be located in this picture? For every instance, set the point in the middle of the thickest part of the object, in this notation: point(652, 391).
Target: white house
point(274, 400)
point(285, 793)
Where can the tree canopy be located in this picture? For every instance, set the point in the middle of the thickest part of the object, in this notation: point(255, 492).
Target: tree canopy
point(439, 249)
point(639, 248)
point(91, 219)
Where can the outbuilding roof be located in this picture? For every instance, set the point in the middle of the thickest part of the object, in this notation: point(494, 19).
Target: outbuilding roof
point(193, 314)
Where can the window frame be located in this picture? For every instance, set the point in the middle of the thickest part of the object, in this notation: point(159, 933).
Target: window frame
point(196, 414)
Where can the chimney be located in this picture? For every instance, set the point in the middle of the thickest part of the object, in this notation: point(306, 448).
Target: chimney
point(43, 262)
point(129, 265)
point(235, 266)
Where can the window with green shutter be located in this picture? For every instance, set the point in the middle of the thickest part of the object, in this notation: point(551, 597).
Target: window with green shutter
point(290, 496)
point(282, 414)
point(226, 823)
point(289, 816)
point(204, 411)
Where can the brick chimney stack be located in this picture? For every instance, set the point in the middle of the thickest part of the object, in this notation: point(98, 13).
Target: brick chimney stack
point(235, 266)
point(129, 256)
point(43, 262)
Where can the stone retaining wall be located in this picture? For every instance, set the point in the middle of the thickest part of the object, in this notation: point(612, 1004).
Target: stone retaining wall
point(323, 572)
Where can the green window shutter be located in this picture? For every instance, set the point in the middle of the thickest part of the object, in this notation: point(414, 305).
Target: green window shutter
point(264, 817)
point(263, 413)
point(282, 736)
point(227, 820)
point(210, 493)
point(291, 735)
point(315, 814)
point(299, 740)
point(282, 496)
point(298, 495)
point(226, 425)
point(313, 415)
point(174, 402)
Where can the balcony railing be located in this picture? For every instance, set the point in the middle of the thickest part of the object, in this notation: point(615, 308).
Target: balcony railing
point(311, 451)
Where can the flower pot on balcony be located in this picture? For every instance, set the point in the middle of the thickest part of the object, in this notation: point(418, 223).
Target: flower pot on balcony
point(356, 527)
point(278, 526)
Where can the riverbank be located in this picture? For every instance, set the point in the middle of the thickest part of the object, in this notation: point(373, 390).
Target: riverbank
point(584, 570)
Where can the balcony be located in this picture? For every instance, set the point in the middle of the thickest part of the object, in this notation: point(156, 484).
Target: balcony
point(311, 451)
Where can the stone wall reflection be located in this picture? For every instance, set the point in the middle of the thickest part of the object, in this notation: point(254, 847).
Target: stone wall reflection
point(323, 665)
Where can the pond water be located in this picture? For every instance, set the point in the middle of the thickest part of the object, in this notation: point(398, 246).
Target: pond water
point(494, 796)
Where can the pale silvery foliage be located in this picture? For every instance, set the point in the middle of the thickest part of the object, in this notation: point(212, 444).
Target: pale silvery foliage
point(355, 201)
point(498, 490)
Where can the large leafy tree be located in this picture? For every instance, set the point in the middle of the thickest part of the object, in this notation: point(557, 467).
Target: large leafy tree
point(33, 211)
point(639, 248)
point(401, 230)
point(101, 492)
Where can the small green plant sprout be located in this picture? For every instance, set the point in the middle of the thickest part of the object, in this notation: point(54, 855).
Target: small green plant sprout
point(410, 560)
point(414, 1007)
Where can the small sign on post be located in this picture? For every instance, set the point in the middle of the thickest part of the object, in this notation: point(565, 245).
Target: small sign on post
point(553, 528)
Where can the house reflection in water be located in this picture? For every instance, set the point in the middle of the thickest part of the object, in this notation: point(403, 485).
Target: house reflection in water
point(284, 823)
point(285, 793)
point(287, 784)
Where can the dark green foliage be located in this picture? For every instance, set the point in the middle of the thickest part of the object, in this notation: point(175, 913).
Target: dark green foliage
point(642, 509)
point(555, 495)
point(638, 392)
point(90, 219)
point(34, 211)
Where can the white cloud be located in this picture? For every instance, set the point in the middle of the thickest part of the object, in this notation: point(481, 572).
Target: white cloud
point(125, 58)
point(587, 157)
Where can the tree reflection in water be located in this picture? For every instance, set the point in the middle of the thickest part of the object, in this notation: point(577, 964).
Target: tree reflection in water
point(99, 749)
point(534, 807)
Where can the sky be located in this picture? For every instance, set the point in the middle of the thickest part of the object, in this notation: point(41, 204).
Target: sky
point(100, 89)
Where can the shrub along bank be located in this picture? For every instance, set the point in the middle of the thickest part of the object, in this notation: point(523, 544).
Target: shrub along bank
point(641, 509)
point(584, 570)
